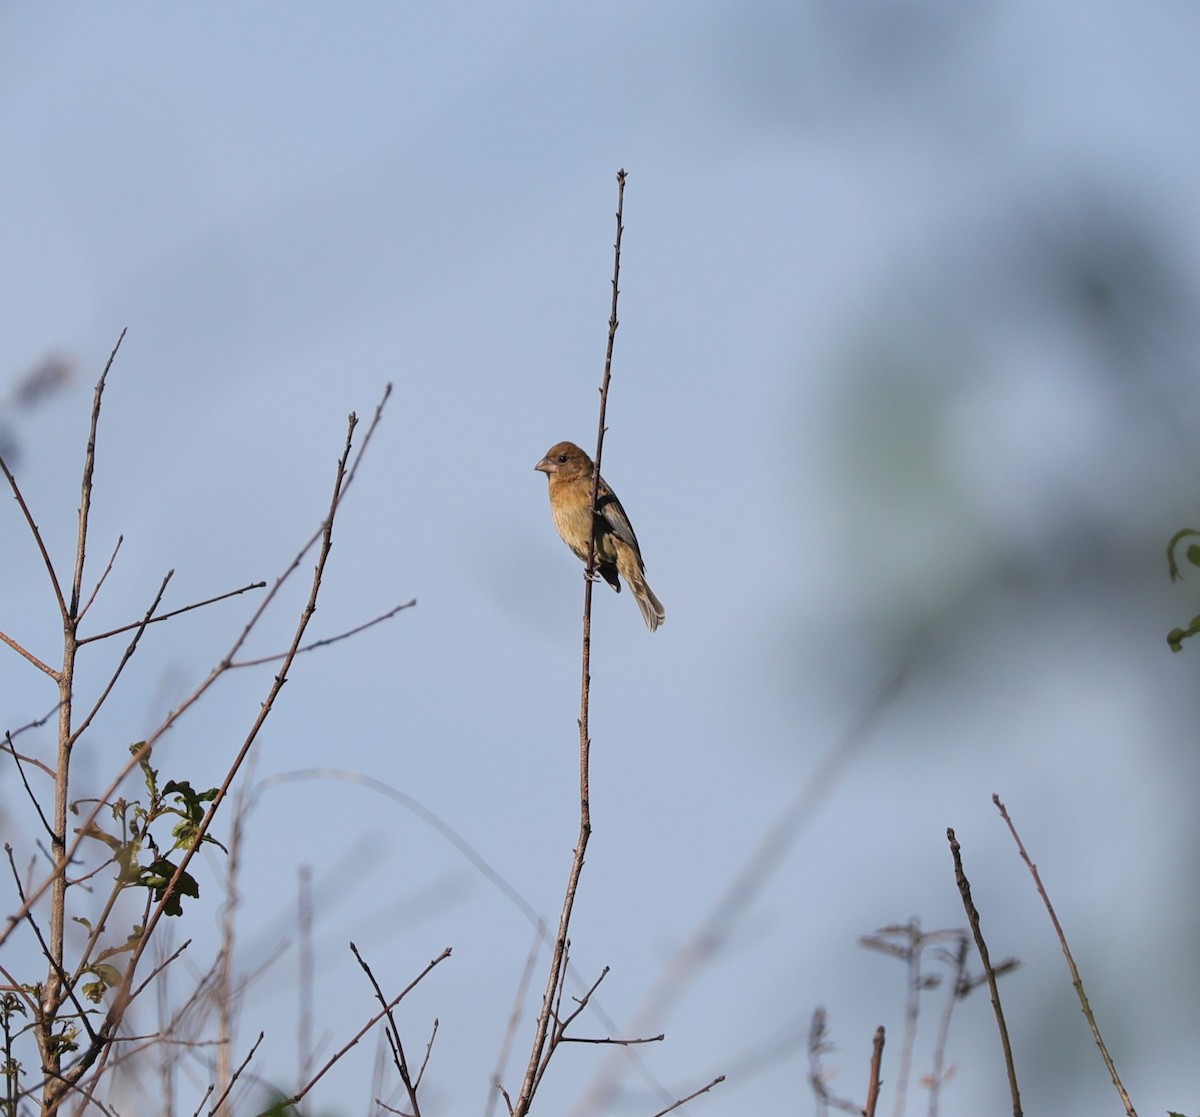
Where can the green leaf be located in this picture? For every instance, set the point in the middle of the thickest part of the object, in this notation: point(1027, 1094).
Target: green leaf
point(1176, 539)
point(157, 877)
point(1177, 636)
point(106, 978)
point(123, 948)
point(94, 831)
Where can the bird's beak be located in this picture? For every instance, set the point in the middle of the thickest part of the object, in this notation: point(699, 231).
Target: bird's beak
point(545, 466)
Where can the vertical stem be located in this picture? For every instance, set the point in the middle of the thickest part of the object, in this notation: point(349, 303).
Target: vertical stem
point(55, 994)
point(912, 1008)
point(964, 890)
point(874, 1085)
point(539, 1057)
point(307, 965)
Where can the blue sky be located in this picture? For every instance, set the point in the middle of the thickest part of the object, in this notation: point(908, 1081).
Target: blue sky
point(904, 377)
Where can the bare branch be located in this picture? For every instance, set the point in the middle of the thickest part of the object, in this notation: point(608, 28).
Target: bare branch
point(1076, 980)
point(37, 806)
point(692, 1096)
point(338, 1055)
point(236, 1075)
point(102, 579)
point(173, 613)
point(875, 1082)
point(964, 889)
point(428, 1051)
point(580, 1003)
point(538, 1056)
point(37, 723)
point(326, 641)
point(959, 988)
point(130, 648)
point(84, 1019)
point(85, 499)
point(37, 538)
point(397, 1044)
point(28, 655)
point(613, 1042)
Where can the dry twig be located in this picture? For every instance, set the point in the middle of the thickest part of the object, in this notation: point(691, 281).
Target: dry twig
point(540, 1053)
point(1076, 980)
point(964, 889)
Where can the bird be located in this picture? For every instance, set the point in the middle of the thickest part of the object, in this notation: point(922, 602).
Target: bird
point(569, 472)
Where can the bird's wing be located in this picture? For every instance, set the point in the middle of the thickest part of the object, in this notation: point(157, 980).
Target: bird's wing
point(609, 507)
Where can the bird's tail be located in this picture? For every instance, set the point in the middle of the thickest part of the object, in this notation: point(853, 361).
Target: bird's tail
point(629, 564)
point(652, 609)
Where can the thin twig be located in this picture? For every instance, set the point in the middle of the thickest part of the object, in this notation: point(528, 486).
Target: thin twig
point(1076, 980)
point(37, 806)
point(911, 953)
point(101, 580)
point(338, 1055)
point(130, 648)
point(235, 1076)
point(162, 965)
point(428, 1051)
point(173, 613)
point(41, 545)
point(324, 642)
point(89, 470)
point(611, 1041)
point(875, 1083)
point(64, 981)
point(957, 989)
point(26, 654)
point(538, 1054)
point(306, 970)
point(964, 889)
point(818, 1046)
point(401, 1063)
point(693, 1095)
point(580, 1004)
point(37, 723)
point(226, 998)
point(57, 1085)
point(208, 1093)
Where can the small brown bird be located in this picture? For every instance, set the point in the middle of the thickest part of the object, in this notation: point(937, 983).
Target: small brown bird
point(569, 471)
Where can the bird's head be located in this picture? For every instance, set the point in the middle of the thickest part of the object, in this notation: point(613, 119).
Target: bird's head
point(564, 458)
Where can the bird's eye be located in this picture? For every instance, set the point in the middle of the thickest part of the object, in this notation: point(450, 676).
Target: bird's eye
point(562, 459)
